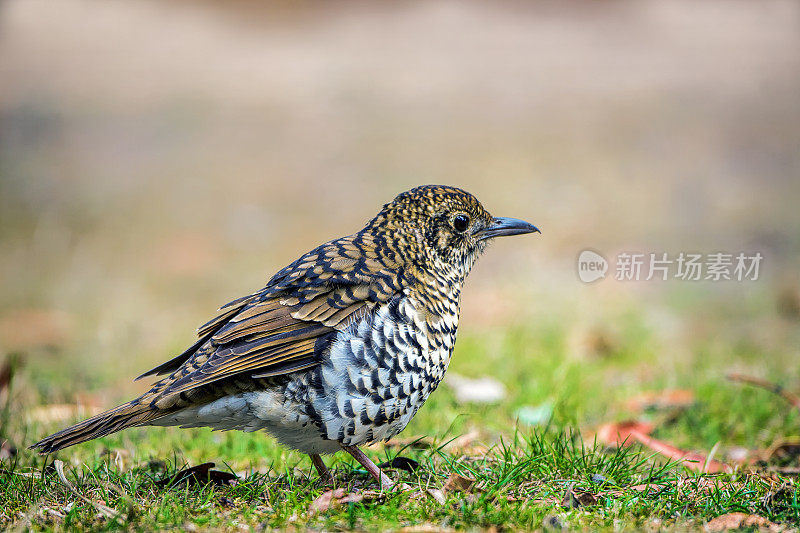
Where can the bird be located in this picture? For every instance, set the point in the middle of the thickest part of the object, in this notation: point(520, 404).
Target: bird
point(339, 350)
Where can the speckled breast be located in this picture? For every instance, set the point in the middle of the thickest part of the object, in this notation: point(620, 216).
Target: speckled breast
point(381, 369)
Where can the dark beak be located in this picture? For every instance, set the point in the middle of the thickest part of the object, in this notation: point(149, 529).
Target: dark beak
point(502, 226)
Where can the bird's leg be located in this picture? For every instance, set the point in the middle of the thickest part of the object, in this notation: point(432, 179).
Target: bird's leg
point(319, 464)
point(383, 479)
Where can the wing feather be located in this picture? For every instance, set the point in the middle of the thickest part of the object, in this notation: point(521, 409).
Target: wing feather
point(284, 327)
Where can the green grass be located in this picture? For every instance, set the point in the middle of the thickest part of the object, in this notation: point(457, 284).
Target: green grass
point(522, 474)
point(520, 484)
point(582, 363)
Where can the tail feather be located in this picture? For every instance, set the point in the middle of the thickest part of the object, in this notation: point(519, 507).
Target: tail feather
point(133, 413)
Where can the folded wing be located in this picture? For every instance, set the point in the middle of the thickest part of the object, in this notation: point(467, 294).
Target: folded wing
point(286, 326)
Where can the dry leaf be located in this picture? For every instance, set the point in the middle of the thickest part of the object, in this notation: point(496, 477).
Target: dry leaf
point(617, 434)
point(199, 475)
point(586, 499)
point(353, 497)
point(691, 460)
point(660, 400)
point(326, 500)
point(401, 463)
point(463, 442)
point(333, 498)
point(647, 487)
point(457, 483)
point(740, 521)
point(577, 498)
point(784, 452)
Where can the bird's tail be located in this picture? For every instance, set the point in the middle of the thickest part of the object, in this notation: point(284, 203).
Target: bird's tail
point(133, 413)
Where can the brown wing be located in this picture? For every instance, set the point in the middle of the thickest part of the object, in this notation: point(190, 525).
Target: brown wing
point(286, 326)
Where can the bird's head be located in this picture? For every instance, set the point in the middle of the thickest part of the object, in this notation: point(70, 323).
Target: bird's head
point(439, 227)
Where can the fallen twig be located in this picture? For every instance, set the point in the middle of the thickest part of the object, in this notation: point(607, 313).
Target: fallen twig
point(691, 460)
point(106, 511)
point(768, 385)
point(199, 475)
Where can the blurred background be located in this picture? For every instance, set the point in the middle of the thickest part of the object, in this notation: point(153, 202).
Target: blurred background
point(158, 159)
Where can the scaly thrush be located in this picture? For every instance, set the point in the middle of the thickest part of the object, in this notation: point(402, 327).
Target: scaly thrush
point(340, 349)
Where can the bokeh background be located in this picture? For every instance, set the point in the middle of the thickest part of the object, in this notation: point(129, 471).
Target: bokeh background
point(158, 159)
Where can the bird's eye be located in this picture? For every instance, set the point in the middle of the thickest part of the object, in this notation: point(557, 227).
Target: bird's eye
point(461, 222)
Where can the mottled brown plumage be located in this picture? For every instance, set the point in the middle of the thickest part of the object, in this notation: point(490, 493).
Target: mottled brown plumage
point(340, 348)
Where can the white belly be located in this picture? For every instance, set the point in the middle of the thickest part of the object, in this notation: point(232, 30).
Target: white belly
point(254, 411)
point(377, 375)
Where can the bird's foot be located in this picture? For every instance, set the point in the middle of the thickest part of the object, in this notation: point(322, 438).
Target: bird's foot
point(325, 476)
point(386, 483)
